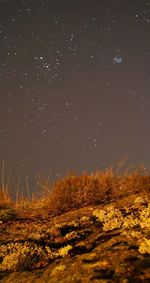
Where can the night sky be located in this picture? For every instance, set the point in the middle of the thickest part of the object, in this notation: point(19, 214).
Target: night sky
point(74, 85)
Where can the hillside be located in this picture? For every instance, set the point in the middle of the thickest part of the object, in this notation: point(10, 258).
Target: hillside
point(107, 241)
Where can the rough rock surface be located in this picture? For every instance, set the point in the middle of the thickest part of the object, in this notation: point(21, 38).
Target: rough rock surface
point(108, 243)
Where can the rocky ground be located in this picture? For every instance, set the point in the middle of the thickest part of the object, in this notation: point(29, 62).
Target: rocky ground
point(107, 243)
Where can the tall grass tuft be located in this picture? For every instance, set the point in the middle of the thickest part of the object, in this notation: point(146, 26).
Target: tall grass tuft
point(75, 191)
point(5, 199)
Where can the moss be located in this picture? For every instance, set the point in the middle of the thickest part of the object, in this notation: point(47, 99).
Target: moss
point(145, 246)
point(110, 217)
point(6, 214)
point(71, 235)
point(21, 256)
point(142, 200)
point(64, 250)
point(130, 221)
point(112, 224)
point(59, 268)
point(145, 217)
point(84, 220)
point(16, 256)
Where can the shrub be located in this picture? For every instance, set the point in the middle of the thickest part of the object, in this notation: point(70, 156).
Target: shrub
point(100, 187)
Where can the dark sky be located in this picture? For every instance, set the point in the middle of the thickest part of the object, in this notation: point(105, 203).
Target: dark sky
point(74, 84)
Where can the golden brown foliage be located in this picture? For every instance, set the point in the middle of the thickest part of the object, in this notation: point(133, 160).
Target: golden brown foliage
point(74, 191)
point(5, 200)
point(101, 187)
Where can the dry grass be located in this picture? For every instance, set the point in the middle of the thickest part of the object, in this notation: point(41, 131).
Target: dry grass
point(101, 187)
point(73, 191)
point(5, 199)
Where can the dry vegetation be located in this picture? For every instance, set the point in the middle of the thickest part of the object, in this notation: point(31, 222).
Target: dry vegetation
point(73, 191)
point(90, 213)
point(101, 187)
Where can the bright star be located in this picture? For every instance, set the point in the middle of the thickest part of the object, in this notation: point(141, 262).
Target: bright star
point(117, 60)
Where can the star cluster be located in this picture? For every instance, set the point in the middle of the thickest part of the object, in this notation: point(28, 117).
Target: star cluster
point(74, 84)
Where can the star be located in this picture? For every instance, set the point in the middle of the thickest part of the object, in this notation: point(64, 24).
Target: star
point(74, 84)
point(117, 60)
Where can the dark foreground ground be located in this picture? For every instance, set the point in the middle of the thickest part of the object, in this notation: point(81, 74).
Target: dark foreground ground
point(107, 243)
